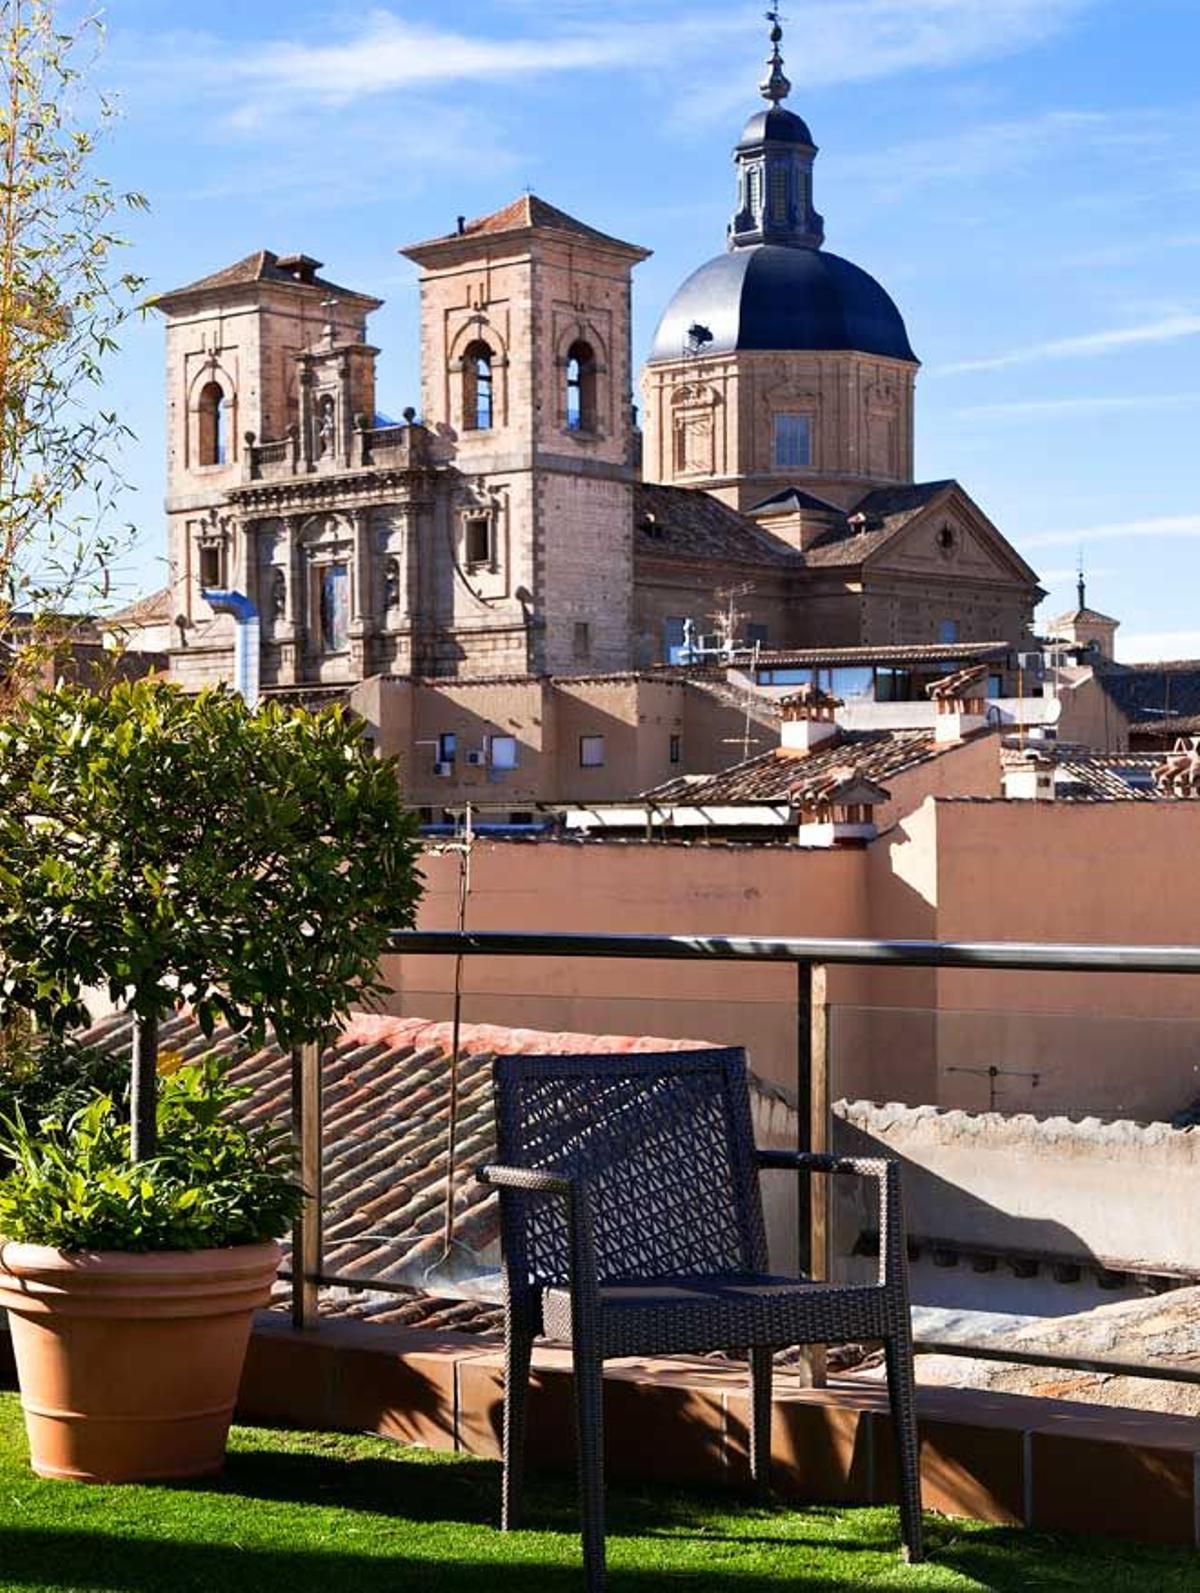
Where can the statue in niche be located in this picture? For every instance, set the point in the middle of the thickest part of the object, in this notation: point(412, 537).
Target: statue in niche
point(325, 426)
point(278, 595)
point(391, 584)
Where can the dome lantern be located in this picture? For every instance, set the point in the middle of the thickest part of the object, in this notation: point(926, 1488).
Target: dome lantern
point(774, 159)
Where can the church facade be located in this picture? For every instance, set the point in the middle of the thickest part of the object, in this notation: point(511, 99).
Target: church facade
point(521, 525)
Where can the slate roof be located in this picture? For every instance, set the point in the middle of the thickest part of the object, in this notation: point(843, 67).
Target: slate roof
point(525, 212)
point(691, 524)
point(1153, 691)
point(796, 498)
point(888, 511)
point(386, 1100)
point(262, 266)
point(780, 777)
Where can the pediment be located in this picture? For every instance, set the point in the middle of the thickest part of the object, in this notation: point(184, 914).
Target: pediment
point(952, 537)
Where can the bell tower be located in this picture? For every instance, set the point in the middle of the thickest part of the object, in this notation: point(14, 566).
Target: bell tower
point(526, 377)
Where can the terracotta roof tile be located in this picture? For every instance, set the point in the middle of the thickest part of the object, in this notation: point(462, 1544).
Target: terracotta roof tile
point(525, 212)
point(782, 777)
point(684, 522)
point(264, 266)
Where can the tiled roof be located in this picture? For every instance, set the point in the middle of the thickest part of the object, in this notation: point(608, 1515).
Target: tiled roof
point(778, 777)
point(1085, 776)
point(386, 1112)
point(888, 511)
point(914, 653)
point(264, 266)
point(525, 212)
point(684, 522)
point(151, 610)
point(1082, 616)
point(1167, 728)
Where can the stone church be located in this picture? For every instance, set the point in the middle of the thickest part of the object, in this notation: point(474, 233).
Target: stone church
point(519, 524)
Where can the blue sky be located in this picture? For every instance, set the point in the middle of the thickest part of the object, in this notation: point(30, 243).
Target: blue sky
point(1022, 175)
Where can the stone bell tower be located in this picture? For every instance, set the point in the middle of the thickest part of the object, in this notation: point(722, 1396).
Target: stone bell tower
point(526, 379)
point(264, 349)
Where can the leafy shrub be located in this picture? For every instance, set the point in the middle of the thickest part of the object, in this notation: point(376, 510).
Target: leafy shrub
point(54, 1076)
point(214, 1181)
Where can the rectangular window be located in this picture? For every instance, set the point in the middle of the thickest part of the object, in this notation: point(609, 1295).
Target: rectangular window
point(210, 567)
point(947, 630)
point(335, 608)
point(582, 644)
point(478, 540)
point(591, 752)
point(756, 635)
point(793, 442)
point(674, 749)
point(852, 685)
point(779, 185)
point(503, 752)
point(447, 747)
point(673, 634)
point(893, 685)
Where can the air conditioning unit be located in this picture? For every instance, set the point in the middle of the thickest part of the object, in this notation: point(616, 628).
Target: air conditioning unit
point(445, 770)
point(475, 759)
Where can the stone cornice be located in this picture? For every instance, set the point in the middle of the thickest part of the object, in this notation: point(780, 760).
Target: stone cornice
point(361, 489)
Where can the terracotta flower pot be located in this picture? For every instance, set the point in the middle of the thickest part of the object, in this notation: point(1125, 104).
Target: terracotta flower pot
point(129, 1364)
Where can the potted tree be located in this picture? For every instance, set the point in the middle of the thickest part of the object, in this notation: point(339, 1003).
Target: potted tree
point(171, 850)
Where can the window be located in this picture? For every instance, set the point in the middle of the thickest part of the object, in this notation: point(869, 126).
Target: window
point(779, 186)
point(583, 639)
point(893, 685)
point(754, 191)
point(503, 752)
point(447, 745)
point(581, 387)
point(477, 387)
point(333, 597)
point(210, 566)
point(674, 748)
point(674, 637)
point(212, 424)
point(591, 752)
point(478, 539)
point(756, 635)
point(851, 685)
point(793, 441)
point(947, 630)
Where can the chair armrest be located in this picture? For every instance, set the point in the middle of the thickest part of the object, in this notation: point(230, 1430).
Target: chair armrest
point(893, 1248)
point(533, 1180)
point(573, 1192)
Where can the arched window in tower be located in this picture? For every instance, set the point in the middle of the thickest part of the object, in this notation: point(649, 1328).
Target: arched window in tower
point(212, 424)
point(581, 387)
point(477, 387)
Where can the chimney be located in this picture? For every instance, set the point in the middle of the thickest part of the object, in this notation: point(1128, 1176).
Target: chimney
point(840, 810)
point(960, 701)
point(808, 720)
point(1032, 779)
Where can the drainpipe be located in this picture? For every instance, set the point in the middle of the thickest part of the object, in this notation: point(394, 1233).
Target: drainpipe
point(245, 645)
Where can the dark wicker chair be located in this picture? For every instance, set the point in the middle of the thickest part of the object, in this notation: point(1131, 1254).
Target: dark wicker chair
point(632, 1225)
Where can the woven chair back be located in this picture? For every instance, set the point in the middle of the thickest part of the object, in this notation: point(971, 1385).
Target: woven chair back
point(665, 1146)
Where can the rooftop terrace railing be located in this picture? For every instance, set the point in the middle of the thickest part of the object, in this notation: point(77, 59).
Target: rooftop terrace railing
point(811, 958)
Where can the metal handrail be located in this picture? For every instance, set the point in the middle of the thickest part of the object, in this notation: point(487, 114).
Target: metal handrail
point(991, 954)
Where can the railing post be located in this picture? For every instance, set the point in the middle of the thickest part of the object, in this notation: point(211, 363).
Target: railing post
point(812, 1112)
point(307, 1233)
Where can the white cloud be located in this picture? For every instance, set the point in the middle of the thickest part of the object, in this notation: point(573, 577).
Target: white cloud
point(1169, 525)
point(1152, 647)
point(1091, 404)
point(386, 50)
point(1167, 329)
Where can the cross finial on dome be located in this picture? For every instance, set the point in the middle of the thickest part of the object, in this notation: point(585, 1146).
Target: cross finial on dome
point(775, 86)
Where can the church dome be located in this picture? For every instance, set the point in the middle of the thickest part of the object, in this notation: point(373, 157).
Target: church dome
point(777, 124)
point(777, 297)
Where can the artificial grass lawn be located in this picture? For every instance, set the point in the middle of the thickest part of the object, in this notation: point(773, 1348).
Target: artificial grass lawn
point(318, 1511)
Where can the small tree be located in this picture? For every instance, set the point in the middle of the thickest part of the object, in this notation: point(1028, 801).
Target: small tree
point(247, 862)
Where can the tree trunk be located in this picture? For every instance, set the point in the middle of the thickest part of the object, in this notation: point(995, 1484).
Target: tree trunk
point(143, 1095)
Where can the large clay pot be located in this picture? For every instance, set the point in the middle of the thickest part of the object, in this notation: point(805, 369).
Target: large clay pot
point(129, 1364)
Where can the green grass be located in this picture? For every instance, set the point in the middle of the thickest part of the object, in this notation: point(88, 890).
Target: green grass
point(302, 1511)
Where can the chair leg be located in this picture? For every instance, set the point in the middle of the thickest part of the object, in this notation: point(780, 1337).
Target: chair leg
point(589, 1426)
point(761, 1368)
point(903, 1400)
point(518, 1350)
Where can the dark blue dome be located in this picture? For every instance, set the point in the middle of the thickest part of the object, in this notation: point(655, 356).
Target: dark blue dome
point(777, 125)
point(770, 296)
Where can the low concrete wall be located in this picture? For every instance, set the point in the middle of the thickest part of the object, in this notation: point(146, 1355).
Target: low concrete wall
point(1080, 1189)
